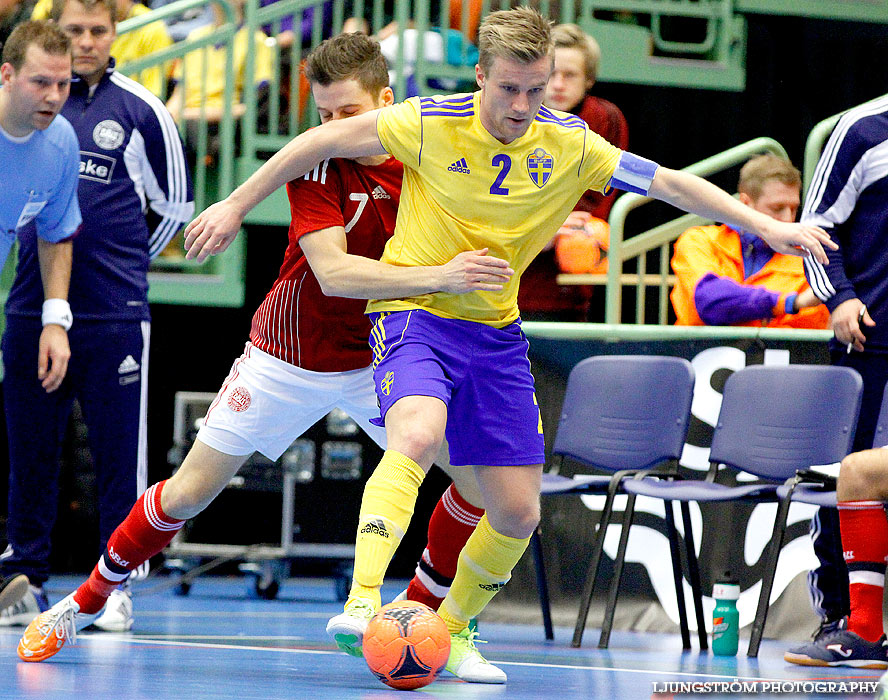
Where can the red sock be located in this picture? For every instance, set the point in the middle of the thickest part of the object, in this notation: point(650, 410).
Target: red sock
point(865, 547)
point(142, 534)
point(452, 521)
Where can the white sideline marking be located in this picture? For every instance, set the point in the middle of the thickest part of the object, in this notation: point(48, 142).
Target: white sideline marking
point(528, 664)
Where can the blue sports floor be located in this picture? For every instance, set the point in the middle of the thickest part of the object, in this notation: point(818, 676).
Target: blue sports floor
point(218, 643)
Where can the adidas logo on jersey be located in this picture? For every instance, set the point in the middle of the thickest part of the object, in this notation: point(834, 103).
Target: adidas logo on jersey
point(379, 193)
point(459, 166)
point(128, 365)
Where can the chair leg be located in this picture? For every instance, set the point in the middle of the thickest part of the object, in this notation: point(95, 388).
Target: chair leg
point(608, 623)
point(594, 563)
point(536, 547)
point(761, 613)
point(694, 575)
point(676, 574)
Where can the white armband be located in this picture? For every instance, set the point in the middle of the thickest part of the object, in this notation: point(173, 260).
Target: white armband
point(57, 311)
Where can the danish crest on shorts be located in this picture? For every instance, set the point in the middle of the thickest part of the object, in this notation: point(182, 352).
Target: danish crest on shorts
point(239, 399)
point(539, 167)
point(386, 384)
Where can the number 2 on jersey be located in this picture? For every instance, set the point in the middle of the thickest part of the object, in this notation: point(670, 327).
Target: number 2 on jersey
point(505, 164)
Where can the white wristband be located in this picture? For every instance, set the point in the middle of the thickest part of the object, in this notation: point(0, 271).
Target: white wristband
point(57, 311)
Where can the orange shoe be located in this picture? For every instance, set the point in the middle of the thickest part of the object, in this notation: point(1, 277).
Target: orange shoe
point(49, 631)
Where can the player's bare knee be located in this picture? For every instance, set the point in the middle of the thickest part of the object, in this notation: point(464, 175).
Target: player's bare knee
point(864, 476)
point(419, 443)
point(517, 519)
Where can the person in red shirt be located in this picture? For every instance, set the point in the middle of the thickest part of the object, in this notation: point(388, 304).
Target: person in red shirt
point(308, 351)
point(577, 56)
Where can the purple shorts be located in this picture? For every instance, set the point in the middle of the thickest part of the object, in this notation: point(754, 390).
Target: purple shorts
point(480, 372)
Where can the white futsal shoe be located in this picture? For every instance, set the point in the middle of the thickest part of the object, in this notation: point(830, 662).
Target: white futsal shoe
point(118, 612)
point(347, 628)
point(466, 662)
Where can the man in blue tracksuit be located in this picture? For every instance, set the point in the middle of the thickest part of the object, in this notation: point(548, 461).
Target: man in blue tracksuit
point(848, 197)
point(135, 194)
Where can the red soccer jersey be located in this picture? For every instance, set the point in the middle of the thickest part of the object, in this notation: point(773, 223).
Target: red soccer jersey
point(297, 323)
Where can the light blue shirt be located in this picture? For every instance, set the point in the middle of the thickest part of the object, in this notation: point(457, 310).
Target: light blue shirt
point(38, 181)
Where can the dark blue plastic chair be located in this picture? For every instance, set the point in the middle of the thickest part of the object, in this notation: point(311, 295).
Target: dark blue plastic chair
point(622, 415)
point(774, 423)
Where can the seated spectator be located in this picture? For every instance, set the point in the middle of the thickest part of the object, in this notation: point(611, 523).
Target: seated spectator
point(132, 45)
point(732, 278)
point(540, 297)
point(195, 91)
point(13, 12)
point(577, 56)
point(858, 639)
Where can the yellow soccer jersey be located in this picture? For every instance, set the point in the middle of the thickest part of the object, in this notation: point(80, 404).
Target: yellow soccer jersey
point(465, 190)
point(213, 83)
point(144, 42)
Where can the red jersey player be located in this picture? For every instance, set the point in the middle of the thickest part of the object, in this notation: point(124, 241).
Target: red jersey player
point(308, 350)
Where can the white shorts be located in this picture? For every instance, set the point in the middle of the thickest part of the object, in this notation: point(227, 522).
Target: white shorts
point(266, 403)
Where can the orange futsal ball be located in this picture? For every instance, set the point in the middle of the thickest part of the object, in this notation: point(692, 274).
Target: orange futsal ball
point(406, 645)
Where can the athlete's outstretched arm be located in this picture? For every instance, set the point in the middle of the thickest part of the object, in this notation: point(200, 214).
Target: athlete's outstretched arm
point(698, 196)
point(214, 228)
point(356, 277)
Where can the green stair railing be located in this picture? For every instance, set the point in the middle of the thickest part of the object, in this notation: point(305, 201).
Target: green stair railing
point(636, 248)
point(172, 279)
point(852, 10)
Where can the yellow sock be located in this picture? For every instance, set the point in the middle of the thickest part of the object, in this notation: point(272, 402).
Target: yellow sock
point(485, 566)
point(386, 509)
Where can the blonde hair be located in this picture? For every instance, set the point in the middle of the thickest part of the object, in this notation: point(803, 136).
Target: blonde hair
point(520, 34)
point(761, 169)
point(570, 36)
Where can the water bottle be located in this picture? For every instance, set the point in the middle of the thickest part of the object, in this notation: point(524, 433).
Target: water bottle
point(725, 618)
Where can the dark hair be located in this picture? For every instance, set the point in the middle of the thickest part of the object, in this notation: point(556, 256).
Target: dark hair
point(43, 34)
point(348, 56)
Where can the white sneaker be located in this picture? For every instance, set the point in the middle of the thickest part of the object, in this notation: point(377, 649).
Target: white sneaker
point(21, 613)
point(347, 628)
point(466, 662)
point(401, 596)
point(12, 590)
point(118, 612)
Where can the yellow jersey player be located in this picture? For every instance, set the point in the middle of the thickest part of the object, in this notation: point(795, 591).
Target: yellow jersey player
point(459, 365)
point(496, 170)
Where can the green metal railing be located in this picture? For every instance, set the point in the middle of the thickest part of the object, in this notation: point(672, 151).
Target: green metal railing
point(172, 279)
point(854, 10)
point(658, 239)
